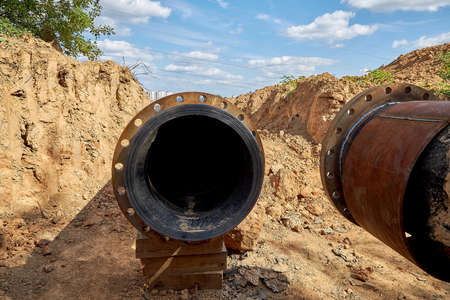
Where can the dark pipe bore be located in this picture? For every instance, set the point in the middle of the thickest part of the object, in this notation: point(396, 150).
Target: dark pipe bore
point(196, 163)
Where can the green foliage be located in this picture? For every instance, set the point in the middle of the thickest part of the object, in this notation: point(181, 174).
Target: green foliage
point(290, 80)
point(378, 77)
point(352, 78)
point(444, 85)
point(444, 88)
point(65, 21)
point(9, 29)
point(371, 77)
point(445, 58)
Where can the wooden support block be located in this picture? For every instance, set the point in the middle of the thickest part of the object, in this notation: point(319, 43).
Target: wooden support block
point(173, 264)
point(185, 264)
point(201, 281)
point(157, 246)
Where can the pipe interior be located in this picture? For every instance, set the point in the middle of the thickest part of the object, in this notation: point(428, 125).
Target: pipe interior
point(197, 164)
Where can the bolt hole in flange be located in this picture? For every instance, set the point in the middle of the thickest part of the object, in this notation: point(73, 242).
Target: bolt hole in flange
point(368, 98)
point(241, 117)
point(426, 96)
point(118, 166)
point(125, 143)
point(179, 99)
point(338, 130)
point(121, 191)
point(157, 107)
point(388, 90)
point(330, 152)
point(202, 99)
point(407, 89)
point(224, 105)
point(137, 122)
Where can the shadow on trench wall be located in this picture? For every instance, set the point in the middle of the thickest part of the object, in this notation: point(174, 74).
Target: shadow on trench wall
point(91, 258)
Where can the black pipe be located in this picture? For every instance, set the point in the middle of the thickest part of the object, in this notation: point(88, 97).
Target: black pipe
point(193, 172)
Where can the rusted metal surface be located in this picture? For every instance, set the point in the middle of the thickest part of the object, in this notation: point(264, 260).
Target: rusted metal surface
point(368, 154)
point(148, 115)
point(356, 112)
point(377, 166)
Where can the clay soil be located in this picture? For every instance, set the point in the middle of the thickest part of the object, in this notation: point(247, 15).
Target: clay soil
point(62, 235)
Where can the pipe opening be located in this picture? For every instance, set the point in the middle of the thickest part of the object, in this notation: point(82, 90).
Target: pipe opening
point(426, 206)
point(197, 164)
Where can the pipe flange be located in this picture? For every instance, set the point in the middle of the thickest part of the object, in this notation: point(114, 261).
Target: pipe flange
point(146, 115)
point(356, 112)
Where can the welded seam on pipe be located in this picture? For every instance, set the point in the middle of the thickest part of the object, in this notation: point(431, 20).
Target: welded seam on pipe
point(410, 119)
point(355, 125)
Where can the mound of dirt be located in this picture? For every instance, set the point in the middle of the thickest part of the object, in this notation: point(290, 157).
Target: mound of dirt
point(64, 236)
point(59, 123)
point(419, 67)
point(309, 107)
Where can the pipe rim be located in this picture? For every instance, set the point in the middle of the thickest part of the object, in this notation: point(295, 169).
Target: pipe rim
point(213, 102)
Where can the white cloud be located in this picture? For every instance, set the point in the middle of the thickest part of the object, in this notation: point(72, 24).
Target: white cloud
point(398, 43)
point(202, 81)
point(222, 3)
point(122, 50)
point(196, 55)
point(186, 10)
point(364, 70)
point(183, 40)
point(297, 65)
point(181, 36)
point(267, 18)
point(392, 5)
point(203, 71)
point(264, 17)
point(331, 27)
point(287, 60)
point(423, 41)
point(134, 11)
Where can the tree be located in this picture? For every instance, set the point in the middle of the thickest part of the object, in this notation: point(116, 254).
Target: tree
point(70, 23)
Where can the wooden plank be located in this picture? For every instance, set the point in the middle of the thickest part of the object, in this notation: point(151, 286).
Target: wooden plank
point(185, 264)
point(156, 246)
point(205, 280)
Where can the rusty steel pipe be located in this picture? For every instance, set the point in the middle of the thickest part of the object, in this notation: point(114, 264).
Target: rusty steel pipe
point(368, 155)
point(189, 166)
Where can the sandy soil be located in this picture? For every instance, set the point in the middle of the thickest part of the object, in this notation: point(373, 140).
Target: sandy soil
point(62, 235)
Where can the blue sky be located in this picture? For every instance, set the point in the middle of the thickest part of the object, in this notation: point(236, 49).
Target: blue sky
point(231, 47)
